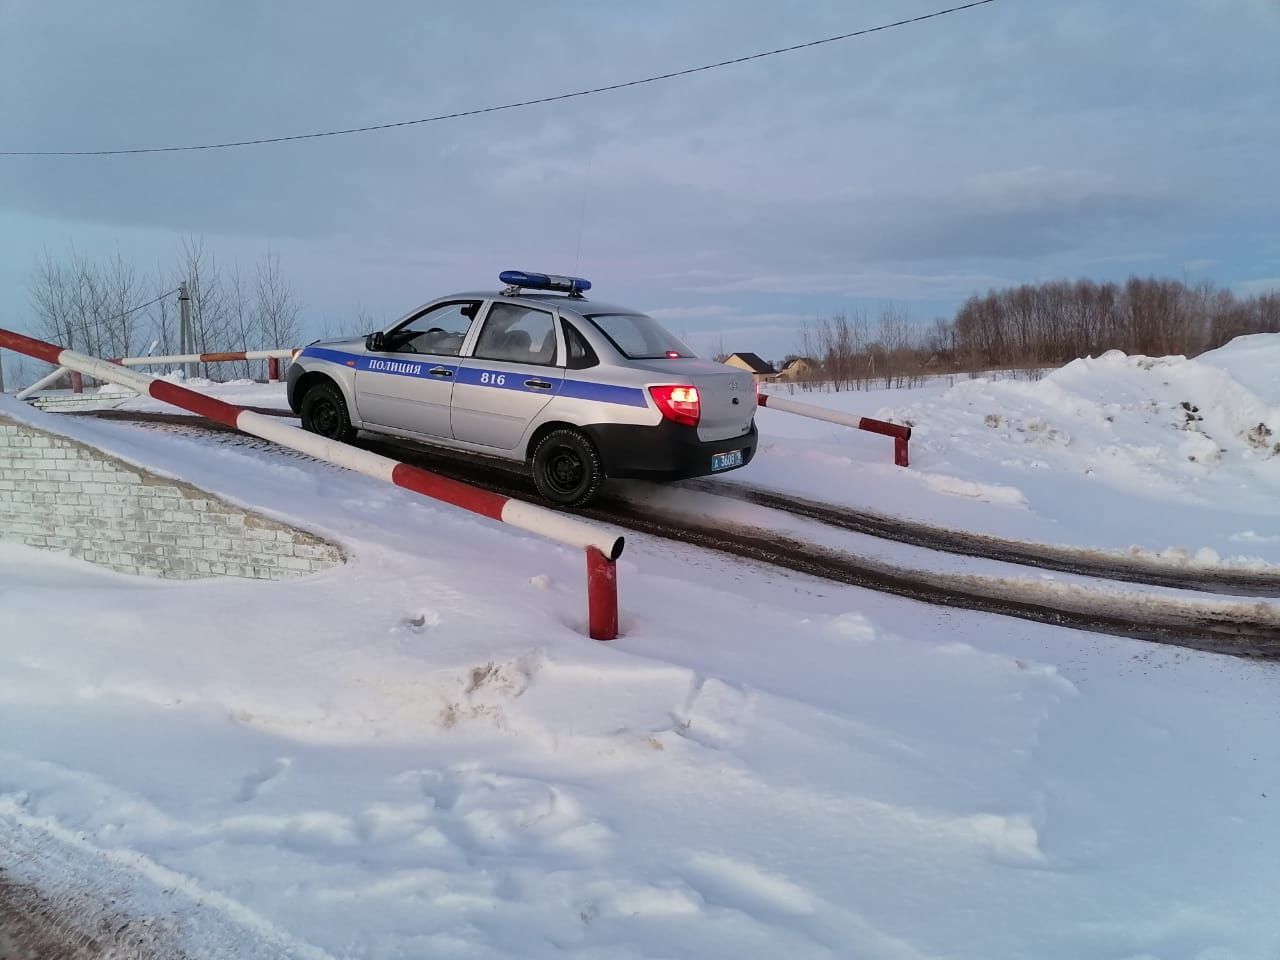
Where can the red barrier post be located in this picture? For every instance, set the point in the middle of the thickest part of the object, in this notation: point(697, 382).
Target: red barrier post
point(602, 596)
point(273, 370)
point(901, 435)
point(77, 382)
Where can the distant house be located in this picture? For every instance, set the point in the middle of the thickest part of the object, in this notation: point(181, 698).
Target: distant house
point(760, 371)
point(798, 368)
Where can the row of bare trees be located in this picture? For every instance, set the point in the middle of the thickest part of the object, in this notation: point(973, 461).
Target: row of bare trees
point(90, 306)
point(848, 352)
point(1051, 323)
point(1031, 327)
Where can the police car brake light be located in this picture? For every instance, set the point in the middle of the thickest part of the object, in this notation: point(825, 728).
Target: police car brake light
point(517, 279)
point(678, 404)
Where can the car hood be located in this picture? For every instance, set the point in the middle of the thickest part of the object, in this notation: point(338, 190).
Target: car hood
point(341, 343)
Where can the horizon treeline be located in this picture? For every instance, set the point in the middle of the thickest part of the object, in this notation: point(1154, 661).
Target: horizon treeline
point(1032, 326)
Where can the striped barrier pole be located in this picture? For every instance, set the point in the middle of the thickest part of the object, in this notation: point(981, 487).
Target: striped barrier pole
point(901, 435)
point(273, 358)
point(602, 548)
point(206, 357)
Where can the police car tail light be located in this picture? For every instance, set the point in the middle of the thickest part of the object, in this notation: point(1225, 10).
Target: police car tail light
point(679, 404)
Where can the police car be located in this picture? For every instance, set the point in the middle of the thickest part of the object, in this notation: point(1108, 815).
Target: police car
point(535, 373)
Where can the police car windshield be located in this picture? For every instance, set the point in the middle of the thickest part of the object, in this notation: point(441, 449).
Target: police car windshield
point(638, 337)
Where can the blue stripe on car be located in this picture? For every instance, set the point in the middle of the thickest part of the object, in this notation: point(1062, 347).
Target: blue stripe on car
point(507, 380)
point(603, 393)
point(400, 368)
point(472, 376)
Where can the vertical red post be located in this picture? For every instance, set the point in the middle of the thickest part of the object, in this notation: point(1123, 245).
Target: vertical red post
point(273, 369)
point(602, 596)
point(900, 451)
point(77, 382)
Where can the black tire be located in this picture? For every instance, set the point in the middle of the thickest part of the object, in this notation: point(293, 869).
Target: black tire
point(324, 411)
point(567, 469)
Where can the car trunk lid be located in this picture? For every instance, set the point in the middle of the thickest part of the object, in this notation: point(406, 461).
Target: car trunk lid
point(727, 396)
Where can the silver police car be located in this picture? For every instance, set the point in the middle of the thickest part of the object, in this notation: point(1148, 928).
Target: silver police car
point(535, 373)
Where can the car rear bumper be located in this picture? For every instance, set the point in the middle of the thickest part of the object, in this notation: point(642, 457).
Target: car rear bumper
point(669, 451)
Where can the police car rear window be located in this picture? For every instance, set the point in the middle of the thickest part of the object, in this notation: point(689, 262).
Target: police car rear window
point(638, 337)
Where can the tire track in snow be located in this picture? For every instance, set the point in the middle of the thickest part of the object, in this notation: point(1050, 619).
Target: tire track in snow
point(85, 892)
point(1085, 562)
point(1234, 628)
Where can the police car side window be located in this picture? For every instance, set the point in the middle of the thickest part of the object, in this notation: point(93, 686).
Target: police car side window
point(439, 331)
point(517, 334)
point(581, 355)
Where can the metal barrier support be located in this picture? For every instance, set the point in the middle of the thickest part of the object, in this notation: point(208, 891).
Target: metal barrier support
point(602, 548)
point(901, 434)
point(45, 381)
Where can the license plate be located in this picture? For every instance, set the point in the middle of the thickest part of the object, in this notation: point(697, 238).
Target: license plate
point(723, 461)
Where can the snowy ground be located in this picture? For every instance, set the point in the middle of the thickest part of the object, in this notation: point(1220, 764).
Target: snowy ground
point(419, 754)
point(1163, 458)
point(1168, 457)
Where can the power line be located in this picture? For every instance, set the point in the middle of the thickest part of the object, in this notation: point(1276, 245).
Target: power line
point(506, 106)
point(141, 306)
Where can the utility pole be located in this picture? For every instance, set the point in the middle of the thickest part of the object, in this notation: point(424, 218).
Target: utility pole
point(1, 373)
point(186, 335)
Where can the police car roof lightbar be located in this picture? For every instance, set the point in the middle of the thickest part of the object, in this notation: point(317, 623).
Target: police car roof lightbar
point(516, 279)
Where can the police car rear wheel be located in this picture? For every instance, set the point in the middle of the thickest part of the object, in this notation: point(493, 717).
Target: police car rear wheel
point(567, 469)
point(324, 411)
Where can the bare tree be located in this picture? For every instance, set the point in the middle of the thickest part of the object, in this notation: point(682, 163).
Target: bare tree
point(209, 314)
point(89, 307)
point(276, 306)
point(243, 325)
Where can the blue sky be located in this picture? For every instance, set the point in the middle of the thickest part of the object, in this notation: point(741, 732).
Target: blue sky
point(1023, 140)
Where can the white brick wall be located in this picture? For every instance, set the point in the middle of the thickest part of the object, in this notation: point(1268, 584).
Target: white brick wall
point(64, 495)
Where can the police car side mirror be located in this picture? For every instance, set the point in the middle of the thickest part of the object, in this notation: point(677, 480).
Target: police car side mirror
point(375, 342)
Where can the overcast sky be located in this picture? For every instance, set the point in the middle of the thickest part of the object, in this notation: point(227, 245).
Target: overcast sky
point(1023, 140)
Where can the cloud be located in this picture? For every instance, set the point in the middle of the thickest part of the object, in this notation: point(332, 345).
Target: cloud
point(1202, 264)
point(1263, 285)
point(1013, 142)
point(706, 311)
point(877, 285)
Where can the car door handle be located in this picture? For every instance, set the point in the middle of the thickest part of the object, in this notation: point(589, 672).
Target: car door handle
point(538, 384)
point(440, 372)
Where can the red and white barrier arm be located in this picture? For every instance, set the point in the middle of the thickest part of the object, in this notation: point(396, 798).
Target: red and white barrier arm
point(273, 358)
point(901, 435)
point(602, 547)
point(207, 357)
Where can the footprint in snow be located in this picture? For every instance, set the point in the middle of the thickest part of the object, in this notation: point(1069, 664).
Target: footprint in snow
point(254, 783)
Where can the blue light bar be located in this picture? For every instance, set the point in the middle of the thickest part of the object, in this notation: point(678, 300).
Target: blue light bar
point(544, 281)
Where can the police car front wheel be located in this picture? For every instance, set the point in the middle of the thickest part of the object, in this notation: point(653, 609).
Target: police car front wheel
point(567, 469)
point(324, 411)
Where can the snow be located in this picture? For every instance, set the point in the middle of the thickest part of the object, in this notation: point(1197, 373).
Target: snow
point(420, 754)
point(1167, 458)
point(1104, 454)
point(246, 393)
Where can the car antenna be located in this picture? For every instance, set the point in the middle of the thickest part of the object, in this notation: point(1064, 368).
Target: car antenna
point(582, 214)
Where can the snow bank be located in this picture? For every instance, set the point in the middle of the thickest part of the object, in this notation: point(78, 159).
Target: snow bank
point(1168, 457)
